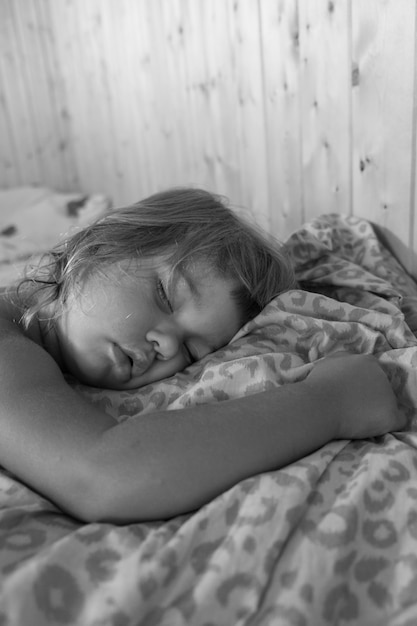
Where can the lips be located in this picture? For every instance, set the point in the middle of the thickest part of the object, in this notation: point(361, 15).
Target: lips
point(135, 363)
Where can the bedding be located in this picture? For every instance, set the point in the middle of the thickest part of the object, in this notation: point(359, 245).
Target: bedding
point(330, 539)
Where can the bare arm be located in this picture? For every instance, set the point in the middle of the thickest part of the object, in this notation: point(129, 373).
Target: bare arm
point(166, 463)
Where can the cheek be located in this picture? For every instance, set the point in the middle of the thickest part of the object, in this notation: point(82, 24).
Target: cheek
point(80, 332)
point(234, 315)
point(81, 328)
point(132, 316)
point(225, 322)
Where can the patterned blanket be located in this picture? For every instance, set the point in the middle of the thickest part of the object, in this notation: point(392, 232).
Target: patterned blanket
point(356, 297)
point(331, 539)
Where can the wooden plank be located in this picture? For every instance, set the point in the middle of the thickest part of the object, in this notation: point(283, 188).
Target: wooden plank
point(281, 94)
point(186, 45)
point(39, 88)
point(100, 91)
point(61, 154)
point(83, 61)
point(211, 85)
point(127, 43)
point(325, 105)
point(154, 97)
point(124, 31)
point(136, 102)
point(244, 24)
point(107, 26)
point(17, 101)
point(71, 63)
point(384, 64)
point(216, 89)
point(193, 91)
point(10, 175)
point(411, 262)
point(179, 154)
point(207, 93)
point(10, 172)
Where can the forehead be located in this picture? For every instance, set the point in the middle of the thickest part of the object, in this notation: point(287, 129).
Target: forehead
point(199, 276)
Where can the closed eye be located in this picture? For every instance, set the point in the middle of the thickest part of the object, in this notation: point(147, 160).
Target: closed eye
point(162, 295)
point(189, 354)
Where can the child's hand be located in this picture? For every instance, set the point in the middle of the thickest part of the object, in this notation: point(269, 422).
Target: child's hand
point(364, 403)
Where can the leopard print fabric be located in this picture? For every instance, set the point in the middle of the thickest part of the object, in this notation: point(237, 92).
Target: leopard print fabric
point(358, 300)
point(328, 540)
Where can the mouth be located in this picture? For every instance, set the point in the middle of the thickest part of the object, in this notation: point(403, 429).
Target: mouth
point(138, 363)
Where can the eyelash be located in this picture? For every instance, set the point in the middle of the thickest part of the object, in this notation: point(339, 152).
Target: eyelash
point(163, 296)
point(190, 356)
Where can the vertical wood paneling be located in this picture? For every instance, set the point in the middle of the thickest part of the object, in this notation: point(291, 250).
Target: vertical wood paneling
point(245, 30)
point(383, 56)
point(134, 96)
point(144, 68)
point(289, 107)
point(190, 95)
point(59, 161)
point(83, 109)
point(16, 99)
point(214, 88)
point(97, 91)
point(108, 29)
point(182, 140)
point(325, 105)
point(9, 163)
point(217, 22)
point(280, 53)
point(165, 24)
point(130, 172)
point(412, 247)
point(49, 154)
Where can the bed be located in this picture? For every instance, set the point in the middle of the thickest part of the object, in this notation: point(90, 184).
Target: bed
point(331, 539)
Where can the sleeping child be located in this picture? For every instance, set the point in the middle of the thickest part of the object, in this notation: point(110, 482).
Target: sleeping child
point(137, 297)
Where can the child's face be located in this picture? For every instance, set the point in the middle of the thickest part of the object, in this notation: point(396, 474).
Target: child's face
point(127, 328)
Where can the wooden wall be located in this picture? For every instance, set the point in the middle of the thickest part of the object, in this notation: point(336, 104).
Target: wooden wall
point(289, 107)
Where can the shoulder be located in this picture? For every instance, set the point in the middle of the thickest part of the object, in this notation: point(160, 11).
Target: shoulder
point(11, 314)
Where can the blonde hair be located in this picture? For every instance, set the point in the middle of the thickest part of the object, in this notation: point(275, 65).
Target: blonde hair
point(185, 226)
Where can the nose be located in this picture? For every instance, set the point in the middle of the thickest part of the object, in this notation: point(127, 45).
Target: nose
point(166, 342)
